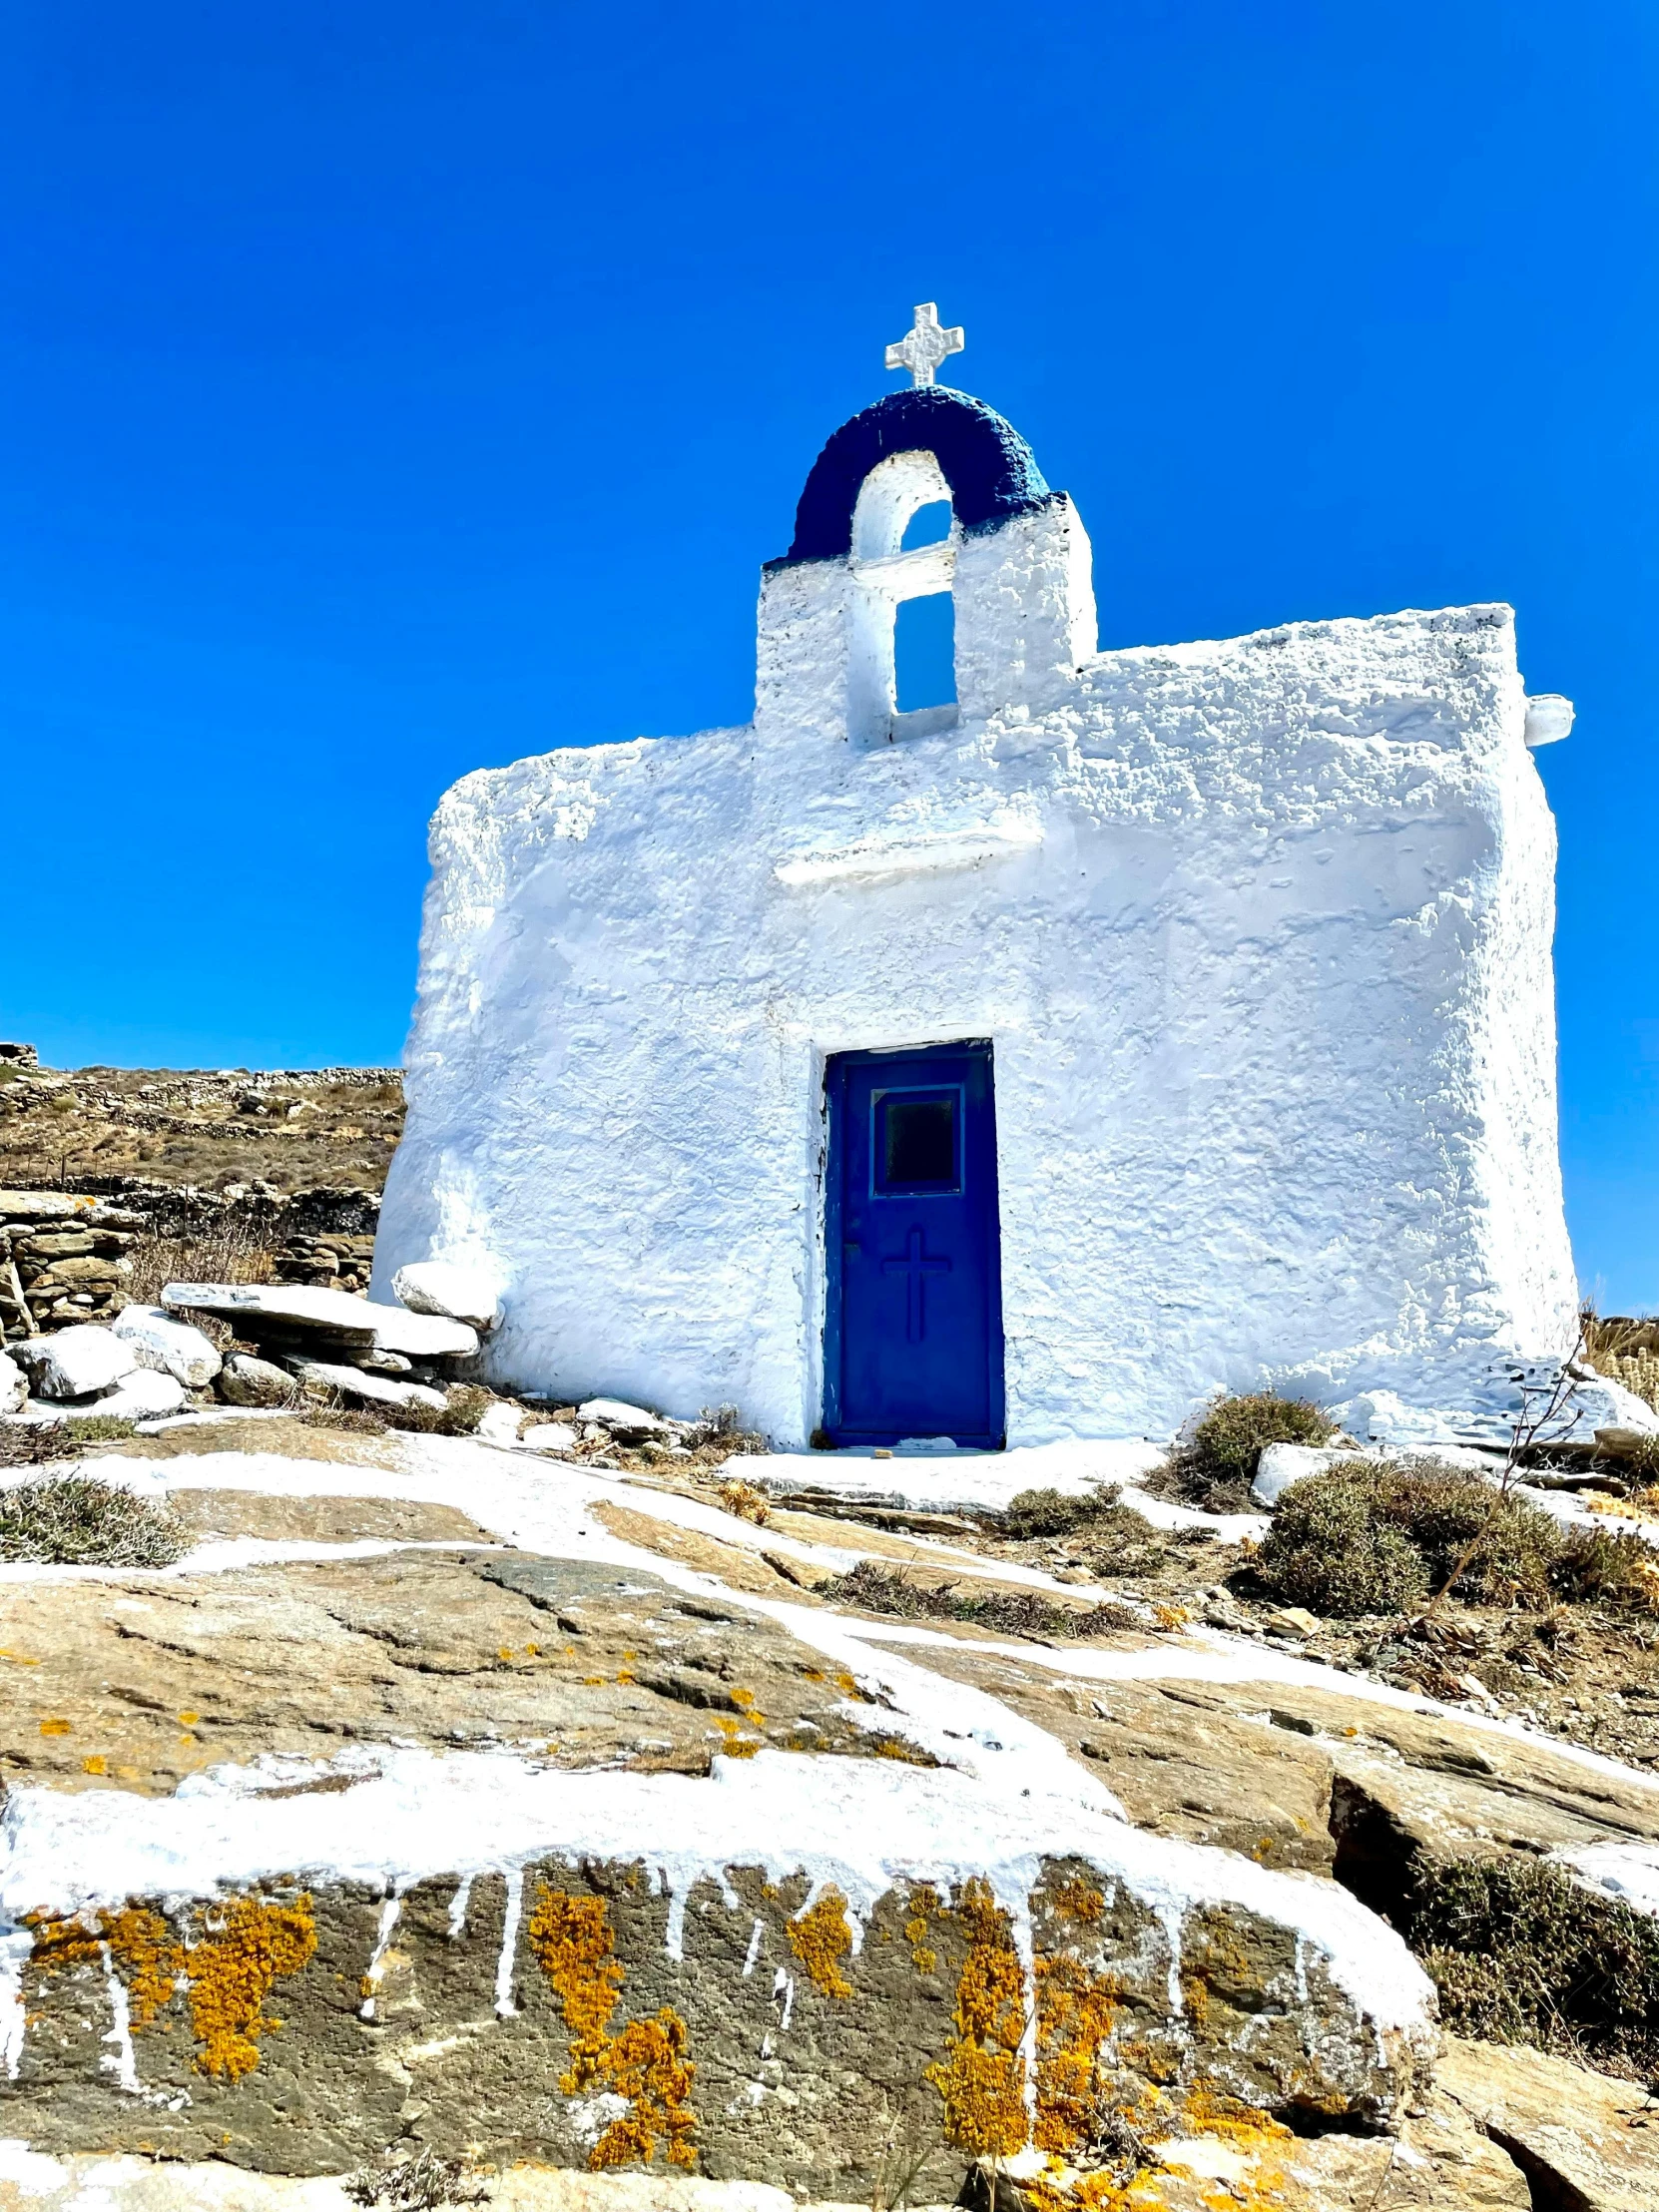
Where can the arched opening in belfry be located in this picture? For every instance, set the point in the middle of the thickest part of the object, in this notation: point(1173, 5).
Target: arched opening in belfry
point(925, 652)
point(930, 525)
point(905, 536)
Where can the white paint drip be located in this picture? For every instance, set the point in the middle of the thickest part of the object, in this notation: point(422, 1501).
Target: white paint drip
point(121, 2060)
point(14, 1946)
point(674, 1939)
point(1170, 1917)
point(504, 2005)
point(783, 1985)
point(371, 1977)
point(753, 1952)
point(457, 1907)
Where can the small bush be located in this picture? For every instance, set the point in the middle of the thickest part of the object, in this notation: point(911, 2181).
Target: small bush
point(1330, 1550)
point(1052, 1513)
point(1374, 1536)
point(1218, 1463)
point(1016, 1612)
point(75, 1520)
point(1520, 1953)
point(1607, 1566)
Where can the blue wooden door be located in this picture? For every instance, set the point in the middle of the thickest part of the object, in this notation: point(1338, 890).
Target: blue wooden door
point(913, 1328)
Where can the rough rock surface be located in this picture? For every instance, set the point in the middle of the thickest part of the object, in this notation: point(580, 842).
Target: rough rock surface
point(75, 1362)
point(446, 1287)
point(249, 1381)
point(1588, 2142)
point(338, 1685)
point(158, 1338)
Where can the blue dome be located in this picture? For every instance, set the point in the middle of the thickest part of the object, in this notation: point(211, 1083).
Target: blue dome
point(992, 471)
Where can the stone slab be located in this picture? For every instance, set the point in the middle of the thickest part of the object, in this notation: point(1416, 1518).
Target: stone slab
point(293, 1307)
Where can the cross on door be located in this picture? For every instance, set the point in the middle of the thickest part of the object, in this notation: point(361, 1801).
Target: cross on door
point(917, 1266)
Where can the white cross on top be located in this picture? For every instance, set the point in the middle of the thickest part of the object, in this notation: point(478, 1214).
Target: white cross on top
point(925, 346)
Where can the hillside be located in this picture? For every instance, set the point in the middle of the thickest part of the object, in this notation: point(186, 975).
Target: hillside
point(292, 1128)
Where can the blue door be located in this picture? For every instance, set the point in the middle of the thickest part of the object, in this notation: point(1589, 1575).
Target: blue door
point(913, 1339)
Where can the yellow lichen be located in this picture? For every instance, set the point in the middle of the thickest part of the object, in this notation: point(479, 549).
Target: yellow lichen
point(736, 1744)
point(1076, 2011)
point(138, 1942)
point(821, 1939)
point(1079, 1899)
point(981, 2077)
point(924, 1901)
point(245, 1947)
point(648, 2067)
point(571, 1940)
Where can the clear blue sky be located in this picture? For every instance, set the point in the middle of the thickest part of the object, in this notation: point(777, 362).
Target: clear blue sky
point(388, 391)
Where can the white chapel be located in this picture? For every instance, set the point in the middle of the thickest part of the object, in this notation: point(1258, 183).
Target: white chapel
point(1025, 1065)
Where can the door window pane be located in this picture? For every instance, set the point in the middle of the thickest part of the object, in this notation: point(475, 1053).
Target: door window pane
point(915, 1146)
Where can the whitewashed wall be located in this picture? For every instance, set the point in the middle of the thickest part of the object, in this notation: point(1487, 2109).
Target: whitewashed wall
point(1260, 929)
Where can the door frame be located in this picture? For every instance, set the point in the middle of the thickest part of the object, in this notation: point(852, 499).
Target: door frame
point(834, 1207)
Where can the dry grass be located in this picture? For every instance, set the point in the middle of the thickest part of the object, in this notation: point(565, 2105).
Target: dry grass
point(37, 1442)
point(76, 1520)
point(877, 1589)
point(237, 1250)
point(459, 1417)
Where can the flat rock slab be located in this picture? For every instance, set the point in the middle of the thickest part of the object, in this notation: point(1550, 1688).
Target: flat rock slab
point(352, 1321)
point(323, 1520)
point(133, 1683)
point(1588, 2140)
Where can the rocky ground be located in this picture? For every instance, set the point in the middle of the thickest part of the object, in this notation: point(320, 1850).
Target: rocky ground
point(563, 1813)
point(291, 1130)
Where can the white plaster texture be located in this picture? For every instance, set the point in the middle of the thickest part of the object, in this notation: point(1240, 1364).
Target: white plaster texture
point(1259, 931)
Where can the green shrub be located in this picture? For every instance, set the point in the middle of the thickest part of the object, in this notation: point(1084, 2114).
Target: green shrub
point(1374, 1536)
point(1052, 1513)
point(1520, 1953)
point(1331, 1551)
point(75, 1520)
point(1216, 1465)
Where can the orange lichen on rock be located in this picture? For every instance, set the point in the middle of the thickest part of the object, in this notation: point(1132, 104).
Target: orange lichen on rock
point(1079, 1899)
point(246, 1946)
point(648, 2066)
point(572, 1943)
point(138, 1942)
point(1076, 2011)
point(981, 2078)
point(821, 1939)
point(924, 1901)
point(571, 1940)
